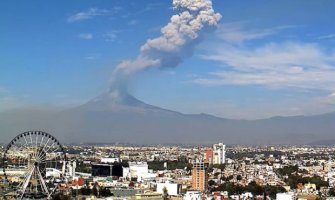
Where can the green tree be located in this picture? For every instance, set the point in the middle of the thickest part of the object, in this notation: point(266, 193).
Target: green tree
point(211, 183)
point(331, 192)
point(273, 190)
point(61, 197)
point(165, 193)
point(255, 189)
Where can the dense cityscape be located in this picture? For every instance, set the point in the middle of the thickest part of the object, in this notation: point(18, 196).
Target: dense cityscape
point(167, 100)
point(115, 171)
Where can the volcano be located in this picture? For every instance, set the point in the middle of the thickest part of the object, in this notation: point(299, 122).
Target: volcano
point(120, 102)
point(114, 117)
point(123, 118)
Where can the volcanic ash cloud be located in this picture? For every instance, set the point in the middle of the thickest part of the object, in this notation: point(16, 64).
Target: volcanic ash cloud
point(176, 43)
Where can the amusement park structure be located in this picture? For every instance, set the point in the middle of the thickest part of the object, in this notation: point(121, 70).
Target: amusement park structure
point(33, 165)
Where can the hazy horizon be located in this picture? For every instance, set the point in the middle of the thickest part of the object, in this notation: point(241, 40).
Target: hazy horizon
point(58, 108)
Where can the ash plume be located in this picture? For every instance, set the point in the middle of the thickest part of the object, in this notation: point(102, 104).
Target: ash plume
point(177, 41)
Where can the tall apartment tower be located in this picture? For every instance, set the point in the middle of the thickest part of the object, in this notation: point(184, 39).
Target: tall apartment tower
point(219, 153)
point(208, 156)
point(199, 176)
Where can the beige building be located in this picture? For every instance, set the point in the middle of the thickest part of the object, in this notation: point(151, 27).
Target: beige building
point(199, 176)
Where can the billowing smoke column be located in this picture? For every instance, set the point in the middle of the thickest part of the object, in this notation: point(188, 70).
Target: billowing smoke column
point(177, 42)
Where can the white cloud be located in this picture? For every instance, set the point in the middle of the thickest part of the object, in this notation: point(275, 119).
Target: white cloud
point(330, 99)
point(236, 32)
point(92, 56)
point(289, 64)
point(327, 37)
point(271, 56)
point(284, 65)
point(111, 36)
point(88, 14)
point(85, 36)
point(327, 100)
point(317, 105)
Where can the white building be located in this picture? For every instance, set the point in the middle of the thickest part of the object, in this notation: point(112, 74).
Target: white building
point(173, 189)
point(126, 172)
point(193, 195)
point(51, 172)
point(110, 160)
point(284, 196)
point(69, 168)
point(219, 153)
point(140, 171)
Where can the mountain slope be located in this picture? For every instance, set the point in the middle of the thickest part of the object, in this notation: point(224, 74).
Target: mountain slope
point(114, 118)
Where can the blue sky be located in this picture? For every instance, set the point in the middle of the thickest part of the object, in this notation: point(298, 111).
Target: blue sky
point(266, 58)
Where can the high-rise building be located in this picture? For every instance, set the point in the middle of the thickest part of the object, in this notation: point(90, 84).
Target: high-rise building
point(199, 176)
point(219, 153)
point(208, 156)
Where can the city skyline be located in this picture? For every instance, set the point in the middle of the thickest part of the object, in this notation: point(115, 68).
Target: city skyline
point(277, 56)
point(167, 100)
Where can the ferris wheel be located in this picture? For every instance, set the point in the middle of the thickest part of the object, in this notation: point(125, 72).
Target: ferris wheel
point(32, 164)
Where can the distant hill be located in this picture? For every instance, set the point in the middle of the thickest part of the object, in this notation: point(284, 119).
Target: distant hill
point(323, 142)
point(109, 119)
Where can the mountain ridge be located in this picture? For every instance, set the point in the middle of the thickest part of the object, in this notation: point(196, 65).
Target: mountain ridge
point(123, 118)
